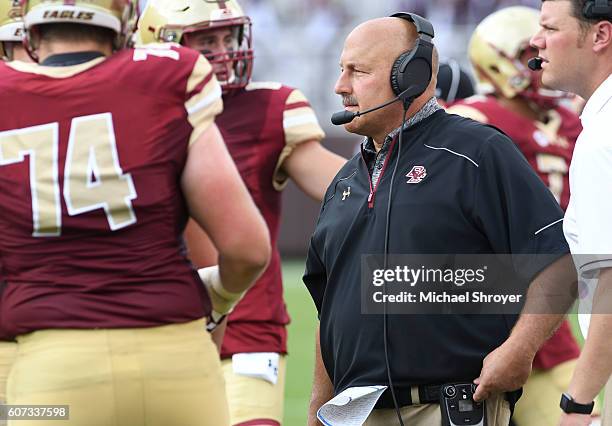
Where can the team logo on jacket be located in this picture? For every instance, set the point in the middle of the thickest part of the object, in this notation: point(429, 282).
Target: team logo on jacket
point(346, 193)
point(416, 174)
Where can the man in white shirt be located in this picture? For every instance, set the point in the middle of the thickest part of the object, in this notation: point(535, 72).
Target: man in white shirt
point(575, 48)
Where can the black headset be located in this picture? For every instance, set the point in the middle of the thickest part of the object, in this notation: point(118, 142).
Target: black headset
point(412, 70)
point(597, 9)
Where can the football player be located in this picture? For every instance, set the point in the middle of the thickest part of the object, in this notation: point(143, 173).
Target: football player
point(106, 153)
point(545, 132)
point(11, 48)
point(272, 134)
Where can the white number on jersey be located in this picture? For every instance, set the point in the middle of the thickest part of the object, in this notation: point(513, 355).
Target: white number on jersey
point(161, 50)
point(556, 169)
point(93, 178)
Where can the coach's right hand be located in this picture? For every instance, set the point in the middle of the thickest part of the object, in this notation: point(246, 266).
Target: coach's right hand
point(505, 369)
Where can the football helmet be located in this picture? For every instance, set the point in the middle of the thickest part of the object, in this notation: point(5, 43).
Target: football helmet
point(11, 24)
point(117, 15)
point(177, 20)
point(496, 48)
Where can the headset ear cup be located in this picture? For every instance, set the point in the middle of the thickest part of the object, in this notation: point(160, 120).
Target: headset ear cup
point(587, 10)
point(396, 78)
point(597, 9)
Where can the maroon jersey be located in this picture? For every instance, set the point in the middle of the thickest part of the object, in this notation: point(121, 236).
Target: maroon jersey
point(547, 146)
point(92, 211)
point(4, 335)
point(261, 125)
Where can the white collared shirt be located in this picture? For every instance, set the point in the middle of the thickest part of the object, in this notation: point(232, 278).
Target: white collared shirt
point(588, 219)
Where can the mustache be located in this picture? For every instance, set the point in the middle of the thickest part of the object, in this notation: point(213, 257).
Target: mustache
point(348, 100)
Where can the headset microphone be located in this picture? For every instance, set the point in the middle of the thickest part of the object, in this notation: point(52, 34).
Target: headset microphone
point(535, 64)
point(344, 117)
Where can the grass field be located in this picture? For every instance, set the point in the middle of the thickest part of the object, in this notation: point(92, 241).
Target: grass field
point(301, 343)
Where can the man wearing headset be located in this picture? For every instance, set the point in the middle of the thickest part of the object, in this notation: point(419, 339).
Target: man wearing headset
point(460, 188)
point(545, 132)
point(575, 54)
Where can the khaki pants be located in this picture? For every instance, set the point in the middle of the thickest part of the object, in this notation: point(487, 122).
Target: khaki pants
point(158, 376)
point(251, 399)
point(498, 414)
point(539, 405)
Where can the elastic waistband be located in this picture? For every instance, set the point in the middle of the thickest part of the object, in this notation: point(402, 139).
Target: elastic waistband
point(45, 339)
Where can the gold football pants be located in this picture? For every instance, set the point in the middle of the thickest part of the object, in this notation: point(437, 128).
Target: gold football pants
point(158, 376)
point(8, 350)
point(251, 399)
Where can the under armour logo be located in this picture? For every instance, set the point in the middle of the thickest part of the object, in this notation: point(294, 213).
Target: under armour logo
point(416, 174)
point(346, 194)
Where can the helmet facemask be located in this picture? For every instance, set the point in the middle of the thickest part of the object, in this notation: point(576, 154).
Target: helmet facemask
point(233, 66)
point(229, 47)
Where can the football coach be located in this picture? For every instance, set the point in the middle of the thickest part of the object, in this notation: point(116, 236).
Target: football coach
point(582, 30)
point(454, 187)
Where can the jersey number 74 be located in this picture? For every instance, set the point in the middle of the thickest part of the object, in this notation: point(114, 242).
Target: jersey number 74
point(93, 178)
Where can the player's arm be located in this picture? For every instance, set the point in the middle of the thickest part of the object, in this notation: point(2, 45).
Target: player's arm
point(220, 203)
point(322, 388)
point(312, 167)
point(201, 250)
point(303, 158)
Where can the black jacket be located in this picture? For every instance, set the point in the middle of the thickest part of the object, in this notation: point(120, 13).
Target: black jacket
point(478, 195)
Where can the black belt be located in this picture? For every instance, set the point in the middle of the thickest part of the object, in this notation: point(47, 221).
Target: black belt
point(423, 394)
point(428, 394)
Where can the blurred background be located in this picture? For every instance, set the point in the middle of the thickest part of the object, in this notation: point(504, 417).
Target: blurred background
point(299, 42)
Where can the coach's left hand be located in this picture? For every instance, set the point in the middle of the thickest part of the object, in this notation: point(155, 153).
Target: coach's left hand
point(505, 369)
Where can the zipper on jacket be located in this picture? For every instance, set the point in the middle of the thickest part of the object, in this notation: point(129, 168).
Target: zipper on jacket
point(372, 194)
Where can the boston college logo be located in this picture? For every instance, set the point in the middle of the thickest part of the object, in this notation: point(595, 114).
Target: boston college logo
point(416, 174)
